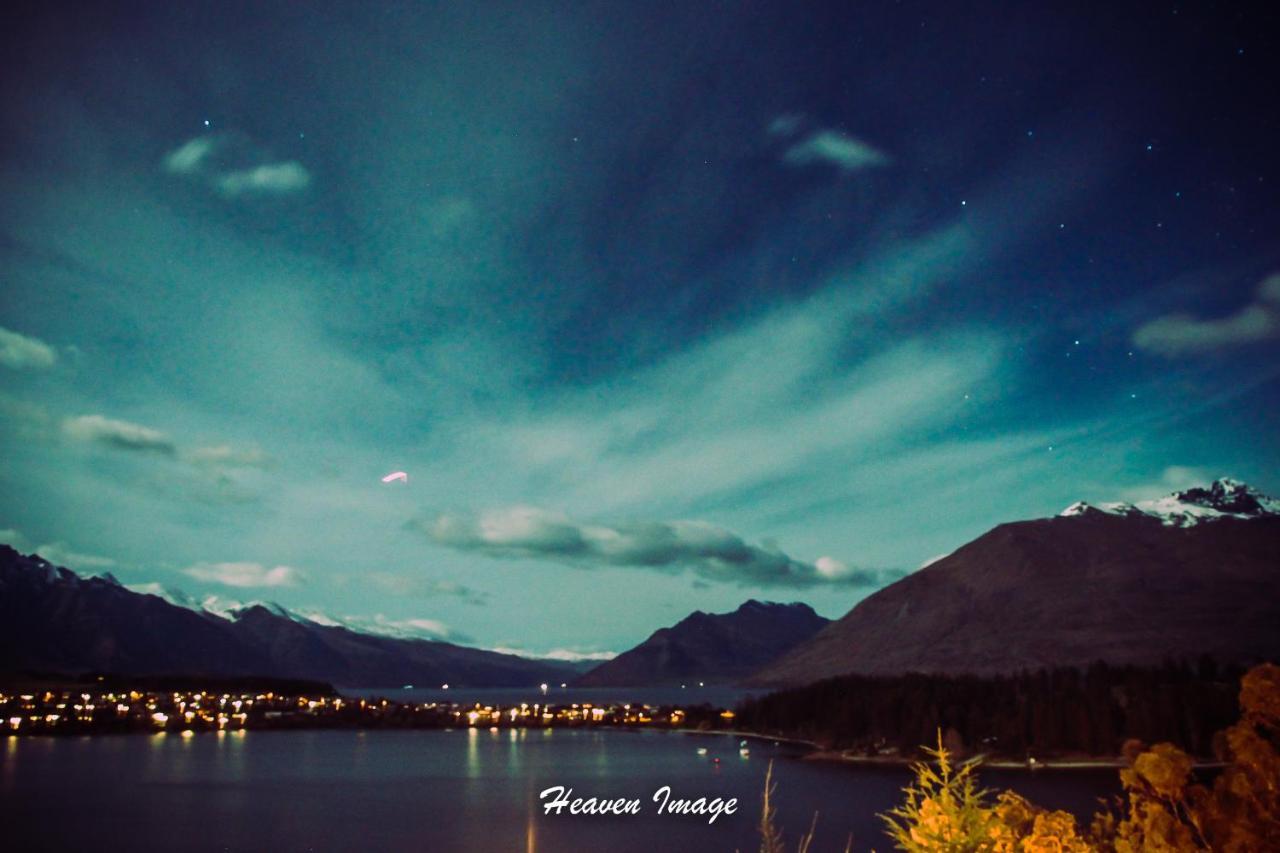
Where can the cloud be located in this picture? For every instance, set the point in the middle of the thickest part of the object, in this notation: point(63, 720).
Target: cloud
point(243, 575)
point(226, 456)
point(830, 568)
point(416, 628)
point(834, 148)
point(120, 435)
point(14, 539)
point(169, 594)
point(1179, 334)
point(785, 124)
point(710, 552)
point(567, 655)
point(266, 179)
point(234, 166)
point(21, 352)
point(191, 156)
point(1174, 478)
point(60, 554)
point(404, 585)
point(123, 435)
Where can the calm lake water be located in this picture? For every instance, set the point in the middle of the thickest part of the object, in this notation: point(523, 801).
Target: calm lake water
point(465, 790)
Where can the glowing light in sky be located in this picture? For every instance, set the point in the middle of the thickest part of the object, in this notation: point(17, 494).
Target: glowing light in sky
point(396, 475)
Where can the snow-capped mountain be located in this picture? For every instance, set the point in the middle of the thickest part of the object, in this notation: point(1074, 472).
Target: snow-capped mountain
point(233, 610)
point(1191, 575)
point(55, 620)
point(1224, 498)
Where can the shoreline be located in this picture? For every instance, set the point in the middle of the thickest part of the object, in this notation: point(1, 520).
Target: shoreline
point(749, 736)
point(818, 753)
point(980, 760)
point(814, 752)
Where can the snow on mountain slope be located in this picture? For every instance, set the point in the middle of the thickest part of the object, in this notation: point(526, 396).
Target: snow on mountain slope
point(1224, 498)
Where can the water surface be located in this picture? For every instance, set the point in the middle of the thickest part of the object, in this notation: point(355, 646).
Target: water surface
point(465, 790)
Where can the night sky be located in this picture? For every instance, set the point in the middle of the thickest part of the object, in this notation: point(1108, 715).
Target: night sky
point(660, 305)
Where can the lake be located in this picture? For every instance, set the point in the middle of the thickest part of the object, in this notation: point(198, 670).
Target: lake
point(462, 789)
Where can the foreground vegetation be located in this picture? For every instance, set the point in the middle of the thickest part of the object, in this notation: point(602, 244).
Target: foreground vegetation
point(1164, 809)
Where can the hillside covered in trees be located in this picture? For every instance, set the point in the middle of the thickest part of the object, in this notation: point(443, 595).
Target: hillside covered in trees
point(1059, 712)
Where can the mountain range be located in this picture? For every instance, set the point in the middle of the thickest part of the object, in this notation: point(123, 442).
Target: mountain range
point(53, 620)
point(710, 647)
point(1196, 573)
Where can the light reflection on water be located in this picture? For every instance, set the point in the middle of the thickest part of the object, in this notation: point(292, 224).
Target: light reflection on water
point(438, 790)
point(717, 695)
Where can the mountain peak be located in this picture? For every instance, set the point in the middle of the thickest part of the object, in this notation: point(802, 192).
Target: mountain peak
point(1186, 576)
point(1223, 498)
point(710, 647)
point(752, 604)
point(56, 620)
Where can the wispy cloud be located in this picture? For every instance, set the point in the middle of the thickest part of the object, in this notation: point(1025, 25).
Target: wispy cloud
point(412, 585)
point(836, 149)
point(226, 456)
point(218, 459)
point(1181, 334)
point(234, 167)
point(707, 422)
point(20, 352)
point(1173, 478)
point(58, 553)
point(414, 628)
point(710, 552)
point(785, 124)
point(244, 575)
point(567, 655)
point(61, 554)
point(13, 538)
point(267, 179)
point(121, 435)
point(191, 156)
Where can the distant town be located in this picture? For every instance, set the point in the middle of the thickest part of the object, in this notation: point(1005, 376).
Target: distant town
point(87, 709)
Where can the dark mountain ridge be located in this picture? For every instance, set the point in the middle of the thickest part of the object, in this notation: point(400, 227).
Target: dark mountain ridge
point(1191, 575)
point(710, 647)
point(53, 620)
